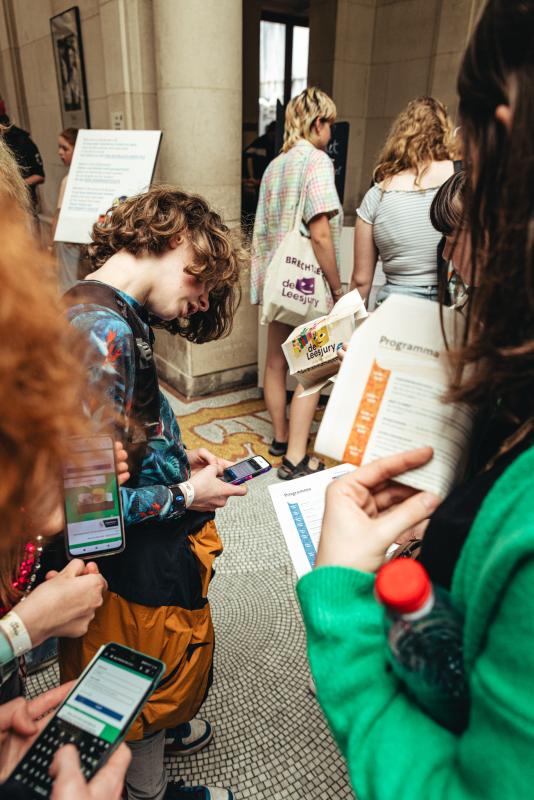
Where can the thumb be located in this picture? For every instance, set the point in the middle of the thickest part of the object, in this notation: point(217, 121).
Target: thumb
point(74, 568)
point(108, 781)
point(65, 770)
point(407, 514)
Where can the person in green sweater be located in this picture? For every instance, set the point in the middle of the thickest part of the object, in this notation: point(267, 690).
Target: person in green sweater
point(394, 750)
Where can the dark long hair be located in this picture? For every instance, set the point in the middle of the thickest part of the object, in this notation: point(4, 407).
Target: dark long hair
point(496, 362)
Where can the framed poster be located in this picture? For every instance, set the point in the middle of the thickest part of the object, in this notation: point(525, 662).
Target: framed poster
point(70, 70)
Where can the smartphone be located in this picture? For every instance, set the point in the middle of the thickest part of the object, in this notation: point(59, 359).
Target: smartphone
point(93, 513)
point(245, 470)
point(95, 716)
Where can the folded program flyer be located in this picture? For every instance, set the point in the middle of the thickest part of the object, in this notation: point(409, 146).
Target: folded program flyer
point(388, 394)
point(311, 349)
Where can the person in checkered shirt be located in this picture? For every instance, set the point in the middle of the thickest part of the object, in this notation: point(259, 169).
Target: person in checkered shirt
point(302, 166)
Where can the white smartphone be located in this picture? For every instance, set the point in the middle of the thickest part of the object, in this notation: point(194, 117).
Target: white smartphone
point(93, 512)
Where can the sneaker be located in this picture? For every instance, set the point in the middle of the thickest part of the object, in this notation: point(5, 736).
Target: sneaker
point(188, 738)
point(177, 791)
point(278, 448)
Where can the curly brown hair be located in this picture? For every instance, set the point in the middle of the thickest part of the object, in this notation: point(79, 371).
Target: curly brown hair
point(42, 388)
point(147, 222)
point(422, 133)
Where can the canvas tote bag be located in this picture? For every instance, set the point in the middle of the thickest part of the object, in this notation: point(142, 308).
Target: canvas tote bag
point(295, 289)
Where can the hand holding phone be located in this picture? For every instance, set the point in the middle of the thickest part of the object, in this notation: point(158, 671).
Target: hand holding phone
point(211, 492)
point(246, 470)
point(65, 604)
point(95, 716)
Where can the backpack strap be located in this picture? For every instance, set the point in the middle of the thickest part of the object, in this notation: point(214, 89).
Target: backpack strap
point(143, 422)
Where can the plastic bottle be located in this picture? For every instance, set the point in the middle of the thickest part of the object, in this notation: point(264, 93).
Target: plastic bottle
point(424, 635)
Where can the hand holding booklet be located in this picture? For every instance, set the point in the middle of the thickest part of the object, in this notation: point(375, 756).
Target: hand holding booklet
point(388, 394)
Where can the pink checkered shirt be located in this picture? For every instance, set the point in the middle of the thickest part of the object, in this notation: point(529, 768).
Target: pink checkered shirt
point(280, 192)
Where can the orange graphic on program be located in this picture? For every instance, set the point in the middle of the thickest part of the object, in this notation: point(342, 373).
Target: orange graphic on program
point(366, 414)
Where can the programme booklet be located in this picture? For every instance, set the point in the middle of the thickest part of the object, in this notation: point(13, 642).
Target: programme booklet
point(388, 394)
point(311, 349)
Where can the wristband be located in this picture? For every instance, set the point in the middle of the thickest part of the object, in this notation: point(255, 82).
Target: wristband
point(188, 491)
point(16, 633)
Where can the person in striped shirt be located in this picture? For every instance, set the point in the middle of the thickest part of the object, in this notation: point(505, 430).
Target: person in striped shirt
point(393, 220)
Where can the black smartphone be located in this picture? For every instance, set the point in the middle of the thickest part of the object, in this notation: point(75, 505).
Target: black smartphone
point(94, 526)
point(245, 470)
point(95, 716)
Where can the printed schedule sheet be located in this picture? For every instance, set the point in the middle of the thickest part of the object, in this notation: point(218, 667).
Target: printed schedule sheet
point(299, 506)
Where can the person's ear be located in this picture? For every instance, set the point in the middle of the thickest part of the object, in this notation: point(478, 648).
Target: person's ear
point(504, 115)
point(175, 242)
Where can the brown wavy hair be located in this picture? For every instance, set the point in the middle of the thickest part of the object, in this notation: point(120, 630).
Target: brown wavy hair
point(496, 362)
point(147, 222)
point(422, 133)
point(43, 384)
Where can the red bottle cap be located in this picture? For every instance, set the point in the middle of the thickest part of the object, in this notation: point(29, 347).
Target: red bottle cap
point(403, 585)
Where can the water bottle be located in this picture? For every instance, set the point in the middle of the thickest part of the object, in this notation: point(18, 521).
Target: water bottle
point(424, 636)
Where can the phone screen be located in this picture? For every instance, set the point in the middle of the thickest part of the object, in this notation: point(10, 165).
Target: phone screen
point(242, 469)
point(108, 695)
point(92, 498)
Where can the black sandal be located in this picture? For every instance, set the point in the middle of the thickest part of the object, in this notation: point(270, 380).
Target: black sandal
point(287, 469)
point(278, 448)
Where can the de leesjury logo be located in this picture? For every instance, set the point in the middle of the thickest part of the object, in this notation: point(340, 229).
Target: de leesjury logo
point(305, 285)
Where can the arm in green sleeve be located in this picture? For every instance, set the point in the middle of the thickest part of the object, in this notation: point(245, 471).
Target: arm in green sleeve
point(393, 749)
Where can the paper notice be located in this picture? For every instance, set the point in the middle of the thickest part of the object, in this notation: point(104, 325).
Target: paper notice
point(299, 506)
point(106, 166)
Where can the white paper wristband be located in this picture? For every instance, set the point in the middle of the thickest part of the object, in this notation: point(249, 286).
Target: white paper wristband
point(16, 633)
point(188, 491)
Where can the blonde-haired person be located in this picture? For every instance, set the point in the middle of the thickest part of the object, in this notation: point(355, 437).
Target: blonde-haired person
point(302, 166)
point(393, 220)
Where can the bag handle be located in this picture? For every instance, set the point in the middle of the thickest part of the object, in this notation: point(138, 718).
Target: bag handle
point(302, 199)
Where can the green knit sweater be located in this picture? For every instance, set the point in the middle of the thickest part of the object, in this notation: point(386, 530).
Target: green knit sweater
point(393, 749)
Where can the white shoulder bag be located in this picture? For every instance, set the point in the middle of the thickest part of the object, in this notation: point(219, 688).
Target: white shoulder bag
point(295, 289)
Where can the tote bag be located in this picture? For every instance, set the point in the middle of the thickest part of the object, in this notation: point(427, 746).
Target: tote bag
point(295, 289)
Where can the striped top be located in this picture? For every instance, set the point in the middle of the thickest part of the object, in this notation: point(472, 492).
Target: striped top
point(403, 234)
point(280, 191)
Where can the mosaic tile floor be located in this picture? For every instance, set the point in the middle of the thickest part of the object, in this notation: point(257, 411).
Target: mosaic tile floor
point(271, 742)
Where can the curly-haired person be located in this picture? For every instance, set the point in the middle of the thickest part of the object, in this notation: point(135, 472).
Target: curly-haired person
point(165, 259)
point(393, 219)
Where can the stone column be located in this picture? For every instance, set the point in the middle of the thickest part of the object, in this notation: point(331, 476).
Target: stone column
point(198, 50)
